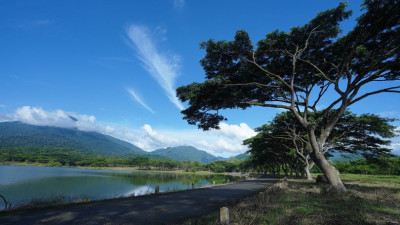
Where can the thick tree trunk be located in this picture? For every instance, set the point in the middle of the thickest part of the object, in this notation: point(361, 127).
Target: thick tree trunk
point(307, 171)
point(330, 172)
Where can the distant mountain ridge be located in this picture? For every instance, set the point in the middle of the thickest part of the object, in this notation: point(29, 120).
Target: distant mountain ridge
point(240, 156)
point(18, 134)
point(344, 157)
point(187, 153)
point(15, 134)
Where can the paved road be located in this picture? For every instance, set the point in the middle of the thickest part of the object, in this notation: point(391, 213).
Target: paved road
point(167, 208)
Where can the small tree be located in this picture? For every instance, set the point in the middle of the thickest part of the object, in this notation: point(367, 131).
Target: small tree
point(295, 70)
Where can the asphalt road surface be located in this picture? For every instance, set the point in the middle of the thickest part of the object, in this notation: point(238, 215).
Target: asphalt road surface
point(169, 208)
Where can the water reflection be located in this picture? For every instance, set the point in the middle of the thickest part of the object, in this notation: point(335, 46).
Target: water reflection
point(22, 184)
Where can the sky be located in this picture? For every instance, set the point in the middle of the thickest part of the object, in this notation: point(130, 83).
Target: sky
point(113, 66)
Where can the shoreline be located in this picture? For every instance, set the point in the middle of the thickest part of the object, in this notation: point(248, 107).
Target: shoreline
point(80, 201)
point(118, 168)
point(123, 210)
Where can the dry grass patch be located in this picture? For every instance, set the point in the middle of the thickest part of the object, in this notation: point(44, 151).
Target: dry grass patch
point(304, 202)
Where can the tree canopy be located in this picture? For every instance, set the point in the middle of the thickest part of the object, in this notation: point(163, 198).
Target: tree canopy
point(284, 141)
point(295, 70)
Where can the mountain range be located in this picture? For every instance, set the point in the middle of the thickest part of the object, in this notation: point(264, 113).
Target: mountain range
point(17, 134)
point(183, 153)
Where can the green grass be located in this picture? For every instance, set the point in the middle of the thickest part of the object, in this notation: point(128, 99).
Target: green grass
point(369, 200)
point(363, 177)
point(376, 178)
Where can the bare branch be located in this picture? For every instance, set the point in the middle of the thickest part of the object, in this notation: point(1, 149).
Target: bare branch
point(387, 90)
point(266, 105)
point(267, 71)
point(253, 84)
point(319, 70)
point(324, 88)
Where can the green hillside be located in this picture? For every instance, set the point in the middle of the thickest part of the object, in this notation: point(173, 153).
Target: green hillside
point(344, 157)
point(240, 156)
point(17, 134)
point(186, 153)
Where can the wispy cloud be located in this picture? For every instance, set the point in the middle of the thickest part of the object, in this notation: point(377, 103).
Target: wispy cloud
point(391, 114)
point(178, 4)
point(41, 22)
point(139, 100)
point(163, 68)
point(2, 106)
point(34, 24)
point(121, 59)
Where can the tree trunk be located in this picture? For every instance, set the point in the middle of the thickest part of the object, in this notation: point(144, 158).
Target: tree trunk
point(307, 171)
point(330, 172)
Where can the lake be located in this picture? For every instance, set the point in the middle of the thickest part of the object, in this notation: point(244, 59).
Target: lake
point(23, 184)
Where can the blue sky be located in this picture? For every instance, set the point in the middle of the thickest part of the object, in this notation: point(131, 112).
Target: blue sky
point(115, 65)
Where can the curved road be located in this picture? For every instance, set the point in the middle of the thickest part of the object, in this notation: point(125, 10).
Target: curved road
point(166, 208)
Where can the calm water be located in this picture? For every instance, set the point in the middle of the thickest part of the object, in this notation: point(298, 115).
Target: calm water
point(22, 184)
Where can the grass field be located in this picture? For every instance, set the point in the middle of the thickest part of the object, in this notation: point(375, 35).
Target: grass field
point(370, 199)
point(371, 178)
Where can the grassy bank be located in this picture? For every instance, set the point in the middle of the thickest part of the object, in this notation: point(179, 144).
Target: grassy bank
point(120, 168)
point(368, 201)
point(136, 169)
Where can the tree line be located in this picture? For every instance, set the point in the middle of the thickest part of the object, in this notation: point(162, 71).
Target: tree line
point(284, 144)
point(68, 157)
point(61, 156)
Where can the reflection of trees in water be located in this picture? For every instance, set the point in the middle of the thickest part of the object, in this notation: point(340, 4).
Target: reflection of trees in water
point(185, 179)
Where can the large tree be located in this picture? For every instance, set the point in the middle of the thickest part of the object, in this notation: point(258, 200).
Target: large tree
point(295, 71)
point(367, 135)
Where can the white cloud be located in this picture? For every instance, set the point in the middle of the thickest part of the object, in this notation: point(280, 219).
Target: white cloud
point(241, 131)
point(395, 145)
point(163, 68)
point(2, 106)
point(160, 139)
point(225, 142)
point(139, 100)
point(221, 147)
point(57, 118)
point(396, 148)
point(216, 142)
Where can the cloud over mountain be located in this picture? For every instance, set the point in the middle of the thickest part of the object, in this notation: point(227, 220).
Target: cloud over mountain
point(224, 142)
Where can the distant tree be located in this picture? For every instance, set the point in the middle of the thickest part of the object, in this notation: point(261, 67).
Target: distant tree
point(384, 166)
point(366, 135)
point(295, 71)
point(268, 153)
